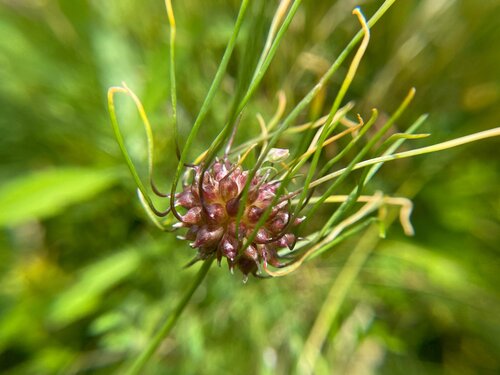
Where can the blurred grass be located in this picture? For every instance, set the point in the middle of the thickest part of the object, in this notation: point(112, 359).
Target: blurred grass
point(85, 280)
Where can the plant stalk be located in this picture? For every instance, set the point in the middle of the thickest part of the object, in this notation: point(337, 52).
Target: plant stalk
point(153, 345)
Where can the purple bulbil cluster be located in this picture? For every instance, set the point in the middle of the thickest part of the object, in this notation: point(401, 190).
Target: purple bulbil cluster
point(211, 215)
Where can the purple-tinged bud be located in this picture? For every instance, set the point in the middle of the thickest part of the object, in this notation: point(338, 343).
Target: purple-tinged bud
point(236, 172)
point(248, 263)
point(299, 220)
point(216, 212)
point(247, 266)
point(254, 213)
point(241, 179)
point(251, 253)
point(279, 222)
point(271, 186)
point(269, 255)
point(232, 206)
point(228, 188)
point(287, 240)
point(210, 189)
point(191, 233)
point(194, 191)
point(193, 216)
point(278, 208)
point(262, 236)
point(220, 171)
point(265, 195)
point(266, 253)
point(186, 199)
point(274, 261)
point(207, 237)
point(252, 196)
point(231, 229)
point(229, 247)
point(218, 167)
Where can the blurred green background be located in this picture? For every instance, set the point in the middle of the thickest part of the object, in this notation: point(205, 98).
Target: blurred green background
point(86, 278)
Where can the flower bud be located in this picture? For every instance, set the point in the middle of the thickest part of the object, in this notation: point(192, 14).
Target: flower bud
point(207, 237)
point(299, 220)
point(262, 236)
point(242, 232)
point(254, 213)
point(279, 222)
point(228, 188)
point(287, 240)
point(193, 216)
point(248, 263)
point(274, 260)
point(269, 255)
point(240, 179)
point(210, 189)
point(252, 195)
point(232, 206)
point(229, 247)
point(186, 199)
point(218, 167)
point(278, 208)
point(191, 233)
point(220, 171)
point(247, 266)
point(251, 253)
point(216, 213)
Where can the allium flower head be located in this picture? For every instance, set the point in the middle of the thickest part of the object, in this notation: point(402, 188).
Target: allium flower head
point(250, 216)
point(212, 202)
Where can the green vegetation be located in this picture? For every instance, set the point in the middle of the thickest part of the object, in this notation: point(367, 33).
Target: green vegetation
point(87, 280)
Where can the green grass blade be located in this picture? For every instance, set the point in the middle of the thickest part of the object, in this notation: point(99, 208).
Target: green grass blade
point(173, 85)
point(363, 152)
point(208, 99)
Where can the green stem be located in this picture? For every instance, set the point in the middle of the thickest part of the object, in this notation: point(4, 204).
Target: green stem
point(143, 359)
point(495, 132)
point(334, 300)
point(219, 75)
